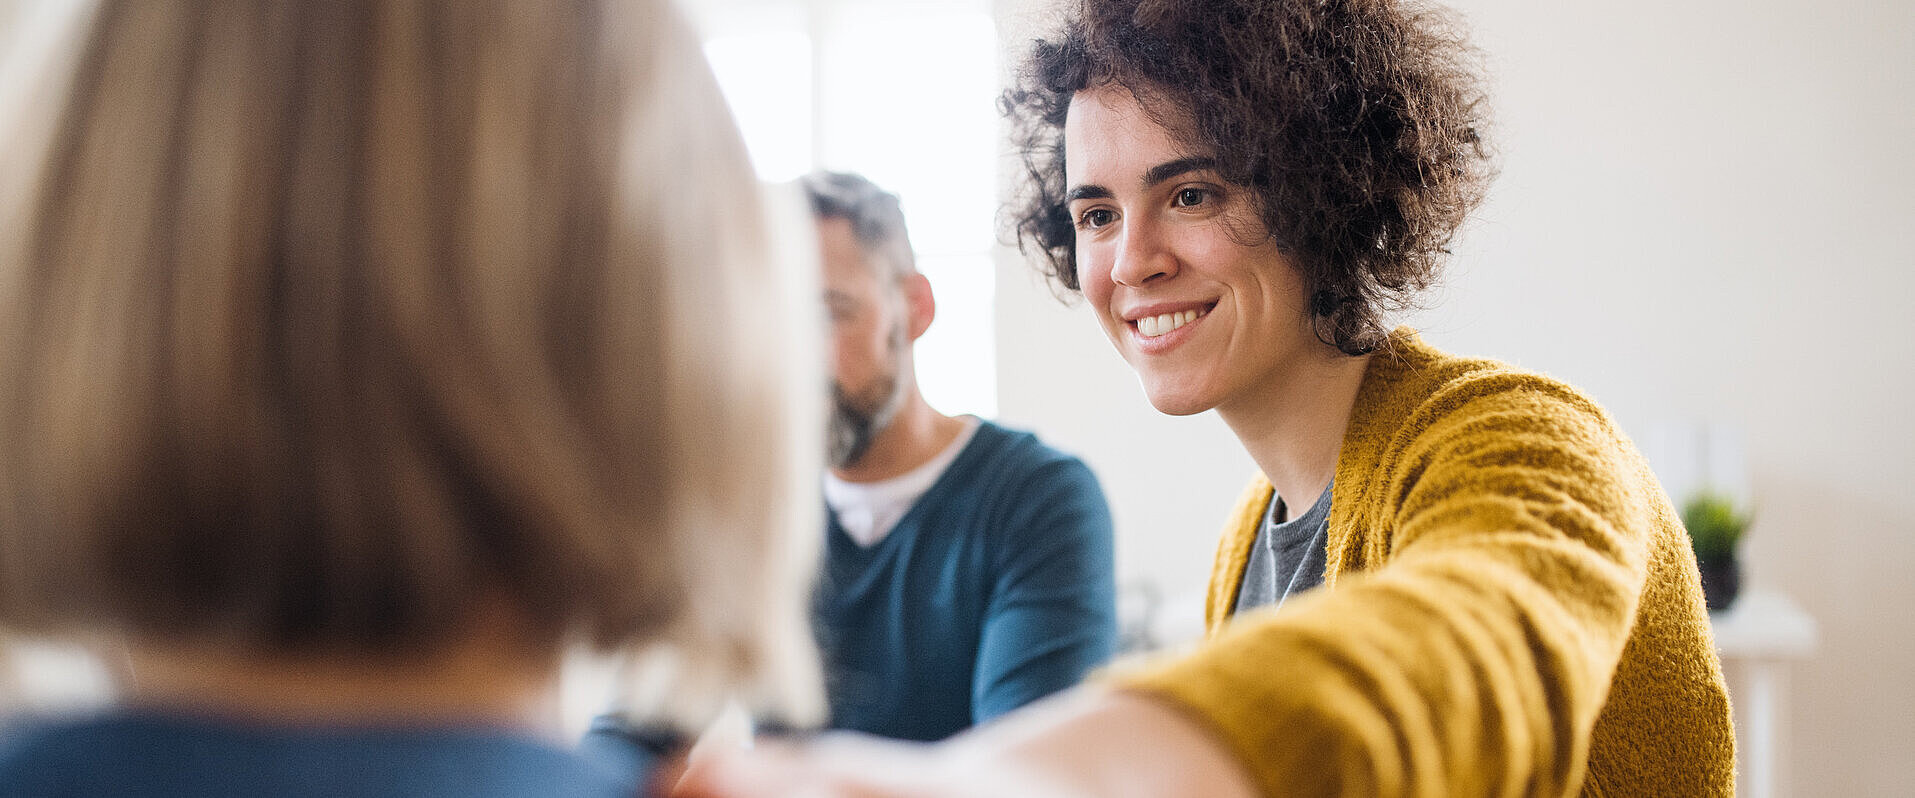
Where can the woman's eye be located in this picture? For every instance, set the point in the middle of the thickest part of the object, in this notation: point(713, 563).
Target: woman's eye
point(1191, 196)
point(1097, 217)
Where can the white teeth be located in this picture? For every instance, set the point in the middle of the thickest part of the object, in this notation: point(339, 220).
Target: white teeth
point(1153, 326)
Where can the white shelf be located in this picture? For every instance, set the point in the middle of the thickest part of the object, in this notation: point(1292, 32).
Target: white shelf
point(1764, 624)
point(1758, 636)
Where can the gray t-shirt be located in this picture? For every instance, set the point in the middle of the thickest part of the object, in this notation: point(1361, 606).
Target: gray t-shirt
point(1288, 556)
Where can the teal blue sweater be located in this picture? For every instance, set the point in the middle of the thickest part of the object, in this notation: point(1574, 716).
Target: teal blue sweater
point(994, 590)
point(150, 755)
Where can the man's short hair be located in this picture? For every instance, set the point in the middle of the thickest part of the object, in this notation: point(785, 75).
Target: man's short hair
point(876, 216)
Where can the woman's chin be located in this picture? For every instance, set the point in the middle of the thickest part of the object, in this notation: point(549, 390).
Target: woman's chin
point(1172, 402)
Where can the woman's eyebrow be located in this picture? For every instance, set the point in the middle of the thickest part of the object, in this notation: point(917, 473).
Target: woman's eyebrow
point(1169, 169)
point(1152, 176)
point(1086, 192)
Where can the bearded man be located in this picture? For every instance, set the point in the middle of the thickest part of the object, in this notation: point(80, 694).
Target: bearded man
point(968, 567)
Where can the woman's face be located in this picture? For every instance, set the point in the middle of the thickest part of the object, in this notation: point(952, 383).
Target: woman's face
point(1176, 262)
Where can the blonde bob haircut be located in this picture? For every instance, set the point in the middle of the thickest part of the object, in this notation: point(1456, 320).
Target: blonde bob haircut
point(325, 324)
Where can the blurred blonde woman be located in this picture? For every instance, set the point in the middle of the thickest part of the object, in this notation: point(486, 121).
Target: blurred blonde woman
point(358, 359)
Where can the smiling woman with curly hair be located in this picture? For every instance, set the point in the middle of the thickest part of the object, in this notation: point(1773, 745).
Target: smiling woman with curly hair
point(1356, 126)
point(1450, 576)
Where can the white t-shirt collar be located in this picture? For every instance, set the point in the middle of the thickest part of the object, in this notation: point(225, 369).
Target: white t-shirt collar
point(868, 511)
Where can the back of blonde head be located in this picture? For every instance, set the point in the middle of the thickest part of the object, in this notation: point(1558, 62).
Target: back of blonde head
point(325, 324)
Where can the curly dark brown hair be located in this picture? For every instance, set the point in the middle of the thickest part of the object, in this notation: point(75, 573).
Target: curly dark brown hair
point(1357, 124)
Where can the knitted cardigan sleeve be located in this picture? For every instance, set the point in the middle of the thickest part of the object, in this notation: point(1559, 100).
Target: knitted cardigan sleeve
point(1491, 535)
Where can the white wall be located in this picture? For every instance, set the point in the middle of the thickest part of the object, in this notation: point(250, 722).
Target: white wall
point(1706, 211)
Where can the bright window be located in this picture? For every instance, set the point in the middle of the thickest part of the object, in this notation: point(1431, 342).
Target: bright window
point(905, 94)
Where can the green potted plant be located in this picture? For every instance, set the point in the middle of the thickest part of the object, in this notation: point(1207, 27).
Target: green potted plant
point(1715, 527)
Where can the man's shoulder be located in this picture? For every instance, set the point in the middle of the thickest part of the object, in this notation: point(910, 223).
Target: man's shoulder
point(1021, 480)
point(1017, 453)
point(1018, 483)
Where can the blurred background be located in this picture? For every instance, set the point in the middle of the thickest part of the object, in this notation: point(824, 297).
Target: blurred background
point(1702, 219)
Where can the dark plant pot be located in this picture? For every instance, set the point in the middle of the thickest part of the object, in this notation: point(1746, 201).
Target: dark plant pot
point(1721, 580)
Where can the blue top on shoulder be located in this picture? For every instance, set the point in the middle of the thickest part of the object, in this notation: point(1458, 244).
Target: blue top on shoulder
point(150, 755)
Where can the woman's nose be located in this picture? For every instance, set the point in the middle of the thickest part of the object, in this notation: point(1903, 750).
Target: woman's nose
point(1142, 257)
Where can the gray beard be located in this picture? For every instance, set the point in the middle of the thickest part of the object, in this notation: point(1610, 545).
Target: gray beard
point(852, 427)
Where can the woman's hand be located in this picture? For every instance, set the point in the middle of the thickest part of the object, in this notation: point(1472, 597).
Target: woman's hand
point(1086, 743)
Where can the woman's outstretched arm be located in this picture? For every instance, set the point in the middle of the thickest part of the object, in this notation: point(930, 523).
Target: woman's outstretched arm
point(1090, 742)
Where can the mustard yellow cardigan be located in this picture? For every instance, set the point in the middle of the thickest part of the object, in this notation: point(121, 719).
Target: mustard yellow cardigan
point(1510, 608)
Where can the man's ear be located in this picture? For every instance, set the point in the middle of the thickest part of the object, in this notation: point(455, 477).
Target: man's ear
point(919, 303)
